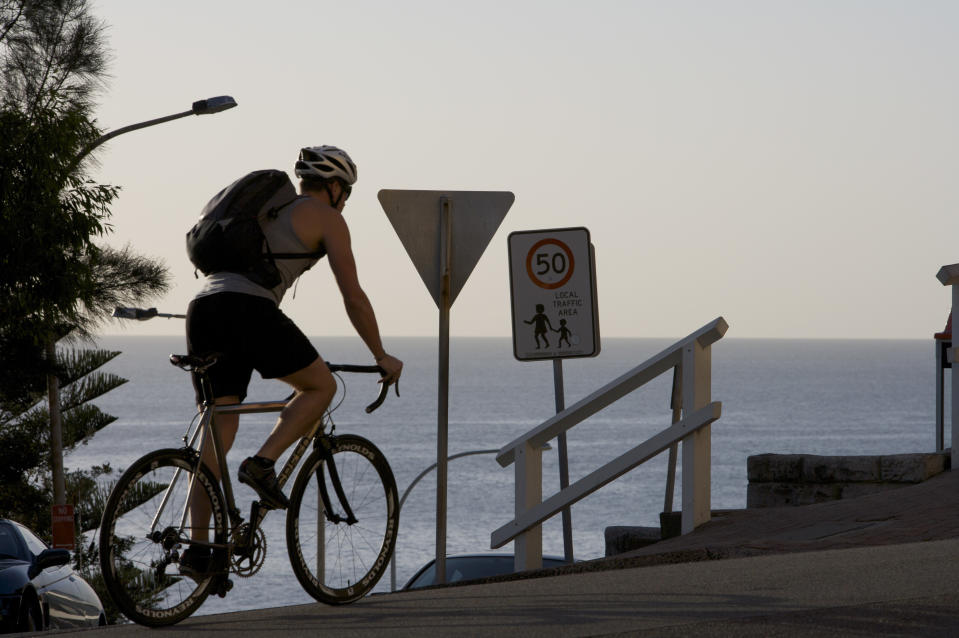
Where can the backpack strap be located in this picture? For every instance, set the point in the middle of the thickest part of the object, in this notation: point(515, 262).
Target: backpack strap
point(313, 255)
point(273, 213)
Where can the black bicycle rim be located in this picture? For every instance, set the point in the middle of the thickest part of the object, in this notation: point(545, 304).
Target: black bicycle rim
point(139, 565)
point(336, 562)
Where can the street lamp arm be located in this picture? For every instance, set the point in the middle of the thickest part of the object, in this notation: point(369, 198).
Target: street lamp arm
point(120, 131)
point(433, 467)
point(200, 107)
point(132, 127)
point(419, 477)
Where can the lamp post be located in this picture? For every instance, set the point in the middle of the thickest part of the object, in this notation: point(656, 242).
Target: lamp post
point(200, 107)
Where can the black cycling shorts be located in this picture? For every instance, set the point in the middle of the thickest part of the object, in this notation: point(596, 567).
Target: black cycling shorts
point(248, 333)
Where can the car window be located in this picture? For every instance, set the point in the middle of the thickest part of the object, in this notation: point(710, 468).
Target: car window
point(428, 577)
point(34, 544)
point(8, 542)
point(469, 568)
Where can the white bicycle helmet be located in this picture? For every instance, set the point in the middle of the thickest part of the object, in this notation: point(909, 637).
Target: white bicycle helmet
point(326, 162)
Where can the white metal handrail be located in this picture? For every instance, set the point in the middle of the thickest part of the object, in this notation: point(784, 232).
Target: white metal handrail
point(691, 358)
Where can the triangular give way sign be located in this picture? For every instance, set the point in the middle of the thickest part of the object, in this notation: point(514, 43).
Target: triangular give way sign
point(472, 218)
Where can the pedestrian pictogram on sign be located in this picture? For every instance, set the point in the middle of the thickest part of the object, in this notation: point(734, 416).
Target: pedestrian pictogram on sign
point(553, 289)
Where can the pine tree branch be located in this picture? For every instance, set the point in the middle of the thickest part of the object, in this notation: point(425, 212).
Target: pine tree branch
point(74, 363)
point(89, 388)
point(12, 21)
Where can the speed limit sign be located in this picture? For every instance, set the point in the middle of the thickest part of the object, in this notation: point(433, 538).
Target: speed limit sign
point(552, 281)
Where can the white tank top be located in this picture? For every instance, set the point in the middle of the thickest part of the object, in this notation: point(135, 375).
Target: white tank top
point(281, 238)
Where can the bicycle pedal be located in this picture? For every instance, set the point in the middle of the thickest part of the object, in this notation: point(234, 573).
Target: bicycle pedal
point(263, 505)
point(223, 587)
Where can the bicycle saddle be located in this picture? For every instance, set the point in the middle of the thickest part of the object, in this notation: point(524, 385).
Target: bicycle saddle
point(192, 363)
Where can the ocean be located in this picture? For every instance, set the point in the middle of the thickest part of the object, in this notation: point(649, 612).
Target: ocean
point(784, 396)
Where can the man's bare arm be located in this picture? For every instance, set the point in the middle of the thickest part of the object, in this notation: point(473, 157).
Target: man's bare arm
point(336, 239)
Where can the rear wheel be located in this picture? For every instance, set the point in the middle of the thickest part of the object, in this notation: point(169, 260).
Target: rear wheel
point(336, 560)
point(146, 527)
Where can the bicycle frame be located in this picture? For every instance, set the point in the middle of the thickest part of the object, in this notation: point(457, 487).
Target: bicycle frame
point(207, 426)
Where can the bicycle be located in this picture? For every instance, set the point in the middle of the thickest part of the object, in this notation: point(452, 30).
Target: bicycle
point(338, 548)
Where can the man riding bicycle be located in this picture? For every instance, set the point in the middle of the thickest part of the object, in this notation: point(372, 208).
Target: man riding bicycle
point(241, 321)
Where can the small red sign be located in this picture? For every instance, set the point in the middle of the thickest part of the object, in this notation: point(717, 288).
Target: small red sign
point(62, 519)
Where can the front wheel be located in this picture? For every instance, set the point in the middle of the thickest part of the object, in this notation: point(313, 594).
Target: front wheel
point(339, 559)
point(147, 524)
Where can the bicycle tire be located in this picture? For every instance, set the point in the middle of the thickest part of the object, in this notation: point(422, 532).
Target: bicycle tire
point(135, 559)
point(354, 557)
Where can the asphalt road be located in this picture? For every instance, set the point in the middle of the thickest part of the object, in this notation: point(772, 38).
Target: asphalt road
point(896, 590)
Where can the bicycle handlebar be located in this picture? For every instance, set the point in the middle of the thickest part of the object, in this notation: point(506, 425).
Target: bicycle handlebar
point(384, 389)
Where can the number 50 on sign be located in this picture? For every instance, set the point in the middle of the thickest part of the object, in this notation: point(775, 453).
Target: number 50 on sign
point(553, 287)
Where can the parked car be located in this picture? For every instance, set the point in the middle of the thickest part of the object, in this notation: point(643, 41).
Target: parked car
point(38, 587)
point(471, 567)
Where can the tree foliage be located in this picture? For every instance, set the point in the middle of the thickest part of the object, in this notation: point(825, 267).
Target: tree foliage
point(54, 278)
point(55, 55)
point(47, 250)
point(52, 63)
point(25, 486)
point(25, 433)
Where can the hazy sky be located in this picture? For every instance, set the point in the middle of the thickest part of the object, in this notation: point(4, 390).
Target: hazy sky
point(791, 166)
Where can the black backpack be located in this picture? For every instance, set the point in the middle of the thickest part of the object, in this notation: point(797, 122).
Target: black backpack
point(229, 236)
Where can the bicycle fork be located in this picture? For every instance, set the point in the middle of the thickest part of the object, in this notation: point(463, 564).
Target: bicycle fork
point(324, 445)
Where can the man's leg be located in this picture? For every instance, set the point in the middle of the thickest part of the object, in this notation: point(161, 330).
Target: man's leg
point(315, 387)
point(226, 426)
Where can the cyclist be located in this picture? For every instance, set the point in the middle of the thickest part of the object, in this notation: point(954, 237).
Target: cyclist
point(242, 322)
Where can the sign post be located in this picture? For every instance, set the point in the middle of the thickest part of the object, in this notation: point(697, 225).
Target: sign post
point(445, 251)
point(553, 290)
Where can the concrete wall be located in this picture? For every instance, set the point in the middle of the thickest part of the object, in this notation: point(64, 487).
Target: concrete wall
point(802, 479)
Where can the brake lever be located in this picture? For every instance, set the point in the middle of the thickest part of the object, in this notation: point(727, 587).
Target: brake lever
point(384, 390)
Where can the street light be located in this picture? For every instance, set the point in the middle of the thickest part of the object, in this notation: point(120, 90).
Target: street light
point(419, 477)
point(208, 106)
point(200, 107)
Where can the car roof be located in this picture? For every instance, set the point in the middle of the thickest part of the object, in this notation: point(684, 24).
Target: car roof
point(496, 554)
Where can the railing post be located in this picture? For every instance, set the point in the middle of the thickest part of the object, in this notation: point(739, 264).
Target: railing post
point(941, 359)
point(696, 394)
point(528, 546)
point(676, 405)
point(949, 276)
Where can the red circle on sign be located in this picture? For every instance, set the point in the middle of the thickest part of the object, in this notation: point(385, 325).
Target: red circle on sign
point(535, 278)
